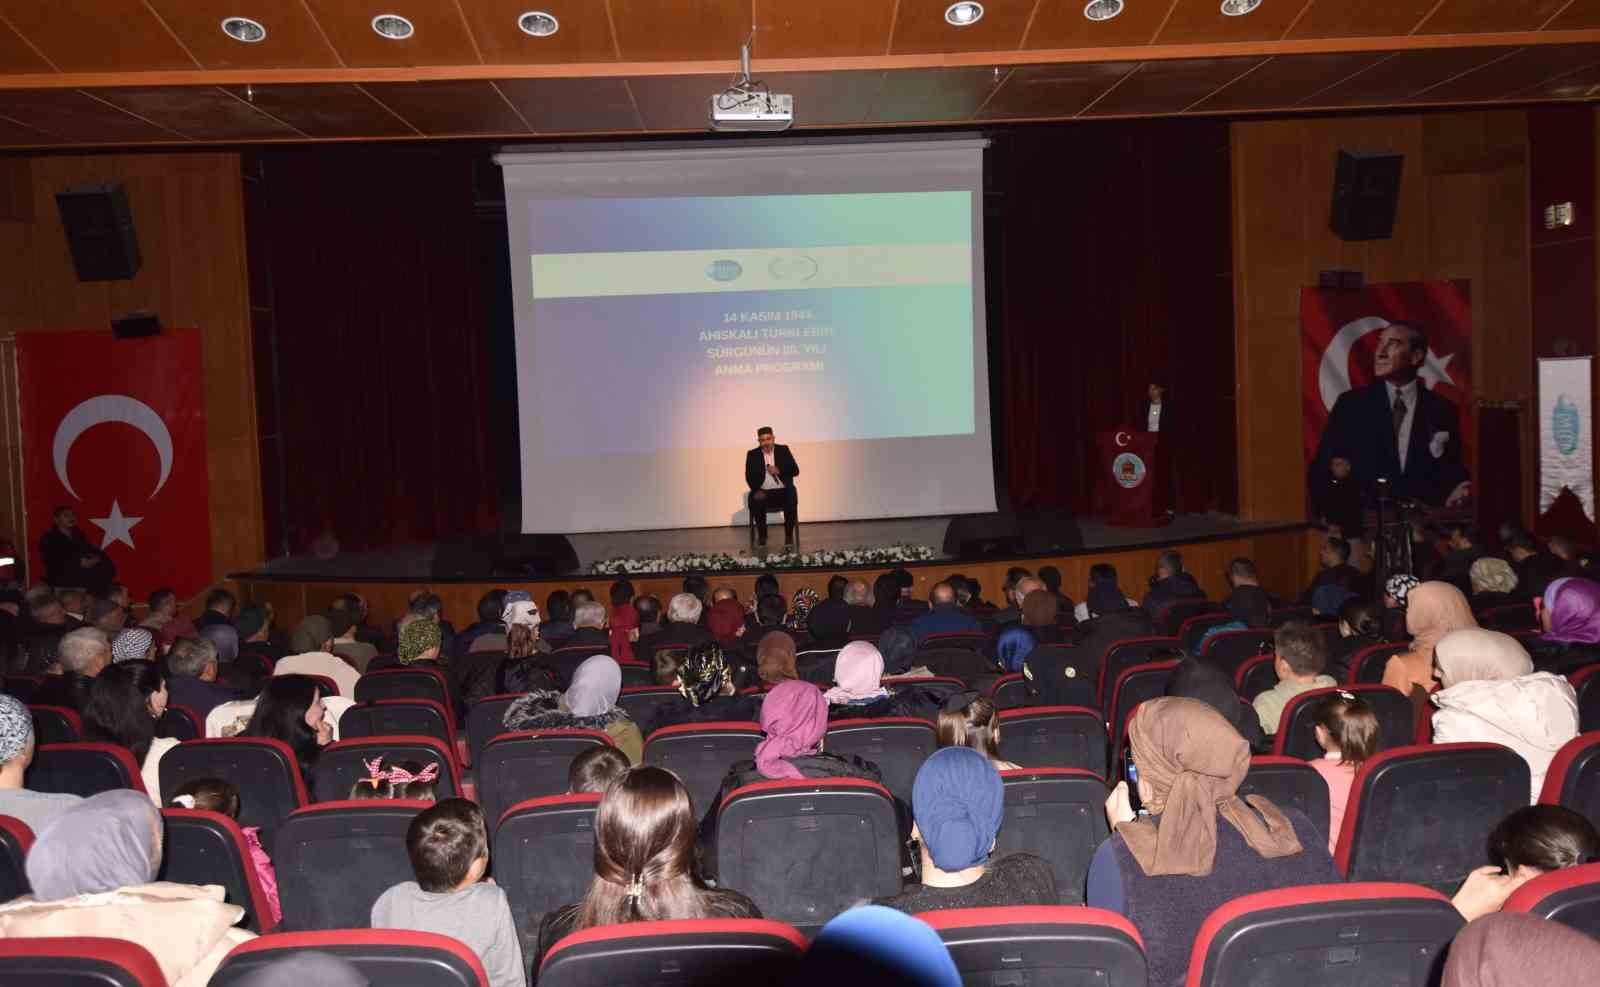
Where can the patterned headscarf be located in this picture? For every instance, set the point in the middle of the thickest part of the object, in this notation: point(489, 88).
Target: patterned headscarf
point(417, 639)
point(1400, 586)
point(519, 608)
point(16, 727)
point(132, 644)
point(704, 673)
point(800, 607)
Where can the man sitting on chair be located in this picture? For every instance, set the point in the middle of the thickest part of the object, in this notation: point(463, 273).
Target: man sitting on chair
point(769, 471)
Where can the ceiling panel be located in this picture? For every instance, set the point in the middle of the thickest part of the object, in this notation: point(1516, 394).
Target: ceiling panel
point(462, 106)
point(1202, 21)
point(816, 28)
point(17, 56)
point(293, 40)
point(1522, 69)
point(920, 26)
point(1469, 16)
point(1361, 18)
point(830, 99)
point(675, 102)
point(77, 117)
point(203, 112)
point(1398, 78)
point(1287, 79)
point(914, 95)
point(441, 36)
point(573, 106)
point(1170, 87)
point(584, 34)
point(1580, 15)
point(1061, 24)
point(336, 110)
point(1053, 90)
point(96, 35)
point(673, 30)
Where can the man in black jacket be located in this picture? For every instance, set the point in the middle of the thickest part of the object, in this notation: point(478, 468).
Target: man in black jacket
point(1170, 584)
point(769, 472)
point(69, 558)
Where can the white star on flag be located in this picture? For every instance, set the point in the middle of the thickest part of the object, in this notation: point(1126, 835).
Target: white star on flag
point(117, 527)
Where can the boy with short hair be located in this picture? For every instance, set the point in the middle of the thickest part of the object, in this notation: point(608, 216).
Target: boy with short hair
point(1301, 655)
point(449, 850)
point(595, 769)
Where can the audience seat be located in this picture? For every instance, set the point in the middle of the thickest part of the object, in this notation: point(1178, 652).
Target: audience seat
point(327, 685)
point(56, 725)
point(16, 839)
point(1510, 617)
point(334, 859)
point(1195, 628)
point(1041, 944)
point(181, 723)
point(644, 702)
point(1009, 691)
point(1586, 683)
point(399, 718)
point(700, 753)
point(636, 673)
point(1228, 650)
point(1423, 814)
point(702, 952)
point(1297, 735)
point(22, 687)
point(1570, 896)
point(83, 769)
point(485, 721)
point(1170, 617)
point(268, 776)
point(1057, 814)
point(967, 640)
point(543, 856)
point(1255, 676)
point(1573, 778)
point(201, 847)
point(1360, 933)
point(805, 850)
point(529, 764)
point(78, 961)
point(896, 744)
point(1367, 664)
point(564, 661)
point(961, 663)
point(942, 686)
point(1053, 737)
point(1278, 616)
point(1123, 655)
point(1289, 783)
point(388, 957)
point(1134, 686)
point(253, 667)
point(404, 683)
point(340, 765)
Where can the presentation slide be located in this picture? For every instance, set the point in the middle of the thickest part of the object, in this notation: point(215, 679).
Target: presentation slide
point(662, 319)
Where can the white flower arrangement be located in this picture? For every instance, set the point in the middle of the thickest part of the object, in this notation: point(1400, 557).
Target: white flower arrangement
point(787, 559)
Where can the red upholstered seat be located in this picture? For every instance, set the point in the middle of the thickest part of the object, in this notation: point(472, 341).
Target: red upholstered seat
point(56, 725)
point(700, 753)
point(1228, 650)
point(1367, 664)
point(1124, 654)
point(1057, 814)
point(1289, 783)
point(201, 847)
point(1297, 736)
point(335, 859)
point(181, 723)
point(896, 744)
point(1043, 944)
point(16, 839)
point(388, 957)
point(1053, 737)
point(1134, 686)
point(399, 717)
point(1255, 676)
point(83, 769)
point(266, 771)
point(1570, 896)
point(528, 764)
point(1009, 691)
point(78, 961)
point(340, 765)
point(1573, 778)
point(405, 683)
point(1586, 683)
point(544, 857)
point(701, 951)
point(1194, 628)
point(486, 720)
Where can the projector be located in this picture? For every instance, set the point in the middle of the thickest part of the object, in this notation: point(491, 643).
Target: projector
point(751, 111)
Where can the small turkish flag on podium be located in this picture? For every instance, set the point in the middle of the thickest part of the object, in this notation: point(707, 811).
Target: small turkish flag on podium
point(1127, 464)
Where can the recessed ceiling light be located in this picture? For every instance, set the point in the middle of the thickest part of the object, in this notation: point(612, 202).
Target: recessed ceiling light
point(538, 23)
point(1238, 8)
point(964, 14)
point(393, 26)
point(1102, 10)
point(244, 29)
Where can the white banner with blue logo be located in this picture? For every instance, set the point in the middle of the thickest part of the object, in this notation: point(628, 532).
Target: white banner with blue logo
point(1566, 444)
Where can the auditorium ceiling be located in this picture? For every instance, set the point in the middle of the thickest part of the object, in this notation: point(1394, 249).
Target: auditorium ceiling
point(162, 72)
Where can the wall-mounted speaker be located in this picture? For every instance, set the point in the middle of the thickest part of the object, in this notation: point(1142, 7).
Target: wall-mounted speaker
point(100, 233)
point(1366, 190)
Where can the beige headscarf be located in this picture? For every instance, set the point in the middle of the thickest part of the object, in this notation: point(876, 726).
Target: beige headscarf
point(775, 657)
point(1433, 609)
point(1194, 761)
point(1477, 655)
point(1492, 575)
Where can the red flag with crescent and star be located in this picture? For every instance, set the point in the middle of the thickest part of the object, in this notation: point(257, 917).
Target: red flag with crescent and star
point(1339, 334)
point(116, 430)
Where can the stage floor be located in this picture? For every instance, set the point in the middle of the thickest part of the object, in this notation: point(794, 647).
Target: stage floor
point(416, 563)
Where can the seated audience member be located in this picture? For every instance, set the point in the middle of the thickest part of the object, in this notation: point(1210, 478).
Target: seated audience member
point(82, 654)
point(1012, 646)
point(407, 779)
point(705, 681)
point(1571, 558)
point(226, 642)
point(1169, 584)
point(1533, 840)
point(726, 623)
point(290, 708)
point(123, 705)
point(649, 608)
point(859, 605)
point(1329, 597)
point(1194, 679)
point(1015, 593)
point(886, 600)
point(1347, 730)
point(1103, 595)
point(93, 873)
point(858, 690)
point(800, 607)
point(1039, 615)
point(872, 944)
point(589, 627)
point(770, 613)
point(834, 601)
point(1569, 618)
point(321, 661)
point(74, 602)
point(776, 659)
point(590, 703)
point(623, 624)
point(1491, 694)
point(1360, 626)
point(558, 615)
point(1336, 569)
point(906, 583)
point(644, 863)
point(1300, 656)
point(1051, 577)
point(1336, 499)
point(1493, 583)
point(133, 644)
point(105, 615)
point(1247, 601)
point(828, 628)
point(311, 634)
point(1514, 949)
point(36, 809)
point(222, 797)
point(682, 630)
point(595, 769)
point(957, 804)
point(1535, 569)
point(1462, 551)
point(490, 606)
point(449, 849)
point(767, 585)
point(945, 616)
point(1433, 609)
point(1396, 590)
point(1201, 845)
point(899, 651)
point(969, 719)
point(342, 640)
point(220, 605)
point(255, 626)
point(420, 641)
point(192, 677)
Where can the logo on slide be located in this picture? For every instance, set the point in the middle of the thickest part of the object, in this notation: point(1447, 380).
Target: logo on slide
point(724, 270)
point(1128, 470)
point(1565, 425)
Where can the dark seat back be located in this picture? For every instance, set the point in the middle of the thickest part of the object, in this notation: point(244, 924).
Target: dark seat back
point(22, 686)
point(1289, 783)
point(56, 725)
point(1134, 686)
point(702, 952)
point(1169, 618)
point(644, 702)
point(940, 686)
point(896, 744)
point(1053, 737)
point(181, 723)
point(700, 753)
point(1573, 778)
point(967, 640)
point(1297, 734)
point(390, 957)
point(1586, 683)
point(957, 663)
point(529, 764)
point(1123, 655)
point(268, 776)
point(1009, 691)
point(83, 769)
point(1510, 617)
point(1057, 814)
point(544, 858)
point(1042, 944)
point(1570, 896)
point(1227, 650)
point(486, 720)
point(335, 859)
point(1193, 629)
point(1255, 676)
point(399, 718)
point(342, 764)
point(209, 848)
point(404, 683)
point(1367, 664)
point(78, 961)
point(16, 839)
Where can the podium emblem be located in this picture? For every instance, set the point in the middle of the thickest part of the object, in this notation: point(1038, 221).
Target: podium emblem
point(1128, 470)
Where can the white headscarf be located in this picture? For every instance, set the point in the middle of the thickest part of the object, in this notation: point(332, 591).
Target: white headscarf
point(1477, 655)
point(595, 686)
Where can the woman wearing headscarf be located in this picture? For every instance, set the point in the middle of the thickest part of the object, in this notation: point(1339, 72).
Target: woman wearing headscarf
point(775, 659)
point(1569, 614)
point(1200, 845)
point(1396, 591)
point(1194, 679)
point(1433, 609)
point(878, 945)
point(624, 629)
point(704, 681)
point(859, 693)
point(522, 669)
point(1491, 694)
point(725, 620)
point(134, 644)
point(1012, 646)
point(1040, 614)
point(1493, 581)
point(590, 703)
point(800, 607)
point(112, 843)
point(1514, 949)
point(420, 641)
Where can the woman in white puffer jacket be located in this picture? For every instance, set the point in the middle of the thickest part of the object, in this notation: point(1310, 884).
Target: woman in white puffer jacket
point(1492, 695)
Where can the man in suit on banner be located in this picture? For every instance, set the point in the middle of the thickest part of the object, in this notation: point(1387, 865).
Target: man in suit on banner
point(769, 472)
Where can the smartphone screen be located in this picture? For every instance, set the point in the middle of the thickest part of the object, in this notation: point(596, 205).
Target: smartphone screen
point(1130, 771)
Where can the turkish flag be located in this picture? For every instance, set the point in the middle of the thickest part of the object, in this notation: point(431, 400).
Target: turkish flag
point(116, 430)
point(1339, 333)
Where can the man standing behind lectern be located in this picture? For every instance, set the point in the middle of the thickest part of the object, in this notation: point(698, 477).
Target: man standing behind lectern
point(769, 471)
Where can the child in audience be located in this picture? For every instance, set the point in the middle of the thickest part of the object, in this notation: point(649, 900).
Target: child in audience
point(970, 720)
point(217, 795)
point(1301, 654)
point(449, 850)
point(595, 769)
point(1347, 729)
point(401, 780)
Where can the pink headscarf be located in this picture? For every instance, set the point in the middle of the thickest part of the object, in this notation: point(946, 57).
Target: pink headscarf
point(857, 674)
point(794, 716)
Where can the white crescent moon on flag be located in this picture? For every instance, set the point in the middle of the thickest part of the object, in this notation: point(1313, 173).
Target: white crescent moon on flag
point(1333, 376)
point(1122, 439)
point(112, 408)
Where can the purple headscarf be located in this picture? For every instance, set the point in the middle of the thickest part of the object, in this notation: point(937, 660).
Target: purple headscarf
point(794, 717)
point(1574, 608)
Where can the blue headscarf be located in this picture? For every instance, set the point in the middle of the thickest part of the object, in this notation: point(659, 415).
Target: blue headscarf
point(874, 944)
point(1014, 645)
point(958, 801)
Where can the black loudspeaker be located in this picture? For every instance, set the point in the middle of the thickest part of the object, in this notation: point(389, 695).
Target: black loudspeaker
point(983, 534)
point(1366, 189)
point(491, 556)
point(100, 231)
point(136, 325)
